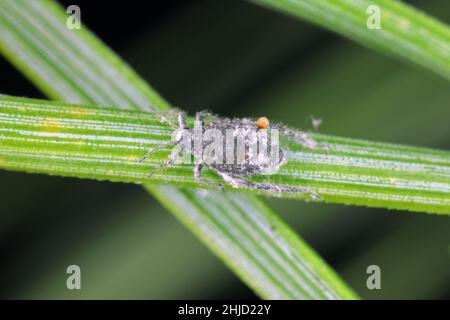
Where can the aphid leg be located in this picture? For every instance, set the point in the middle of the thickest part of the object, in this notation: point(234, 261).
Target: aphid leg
point(198, 175)
point(198, 171)
point(298, 136)
point(201, 115)
point(237, 181)
point(181, 126)
point(167, 163)
point(155, 149)
point(181, 120)
point(168, 117)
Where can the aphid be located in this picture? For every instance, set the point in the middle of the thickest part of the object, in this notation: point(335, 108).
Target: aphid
point(250, 132)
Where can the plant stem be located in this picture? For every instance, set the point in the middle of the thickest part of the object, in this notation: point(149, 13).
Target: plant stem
point(108, 144)
point(405, 32)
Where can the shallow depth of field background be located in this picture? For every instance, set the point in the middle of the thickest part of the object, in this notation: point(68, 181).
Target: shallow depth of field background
point(236, 59)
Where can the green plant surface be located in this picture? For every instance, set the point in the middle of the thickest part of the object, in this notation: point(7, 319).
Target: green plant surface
point(405, 32)
point(108, 144)
point(75, 66)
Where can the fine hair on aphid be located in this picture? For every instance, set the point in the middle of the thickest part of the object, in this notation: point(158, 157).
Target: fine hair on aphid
point(234, 149)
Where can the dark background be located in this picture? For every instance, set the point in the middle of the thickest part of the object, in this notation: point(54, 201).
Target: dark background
point(236, 59)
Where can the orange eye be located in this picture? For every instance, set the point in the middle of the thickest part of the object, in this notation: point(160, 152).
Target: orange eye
point(263, 123)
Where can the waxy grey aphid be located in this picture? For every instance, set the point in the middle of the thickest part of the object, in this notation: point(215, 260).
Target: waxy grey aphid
point(249, 131)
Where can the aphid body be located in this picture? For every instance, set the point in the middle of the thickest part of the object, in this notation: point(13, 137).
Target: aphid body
point(243, 156)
